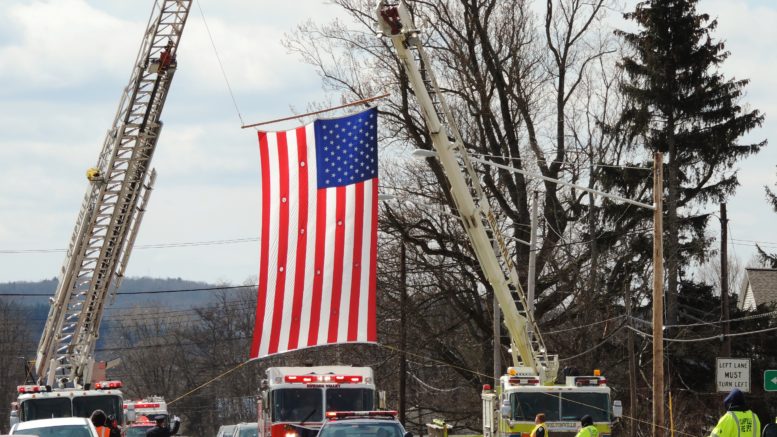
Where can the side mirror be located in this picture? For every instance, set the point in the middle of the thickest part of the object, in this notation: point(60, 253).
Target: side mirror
point(617, 408)
point(504, 410)
point(130, 415)
point(382, 400)
point(408, 434)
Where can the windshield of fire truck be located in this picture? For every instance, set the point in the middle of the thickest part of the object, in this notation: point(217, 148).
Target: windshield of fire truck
point(560, 406)
point(297, 405)
point(46, 408)
point(576, 405)
point(349, 399)
point(84, 406)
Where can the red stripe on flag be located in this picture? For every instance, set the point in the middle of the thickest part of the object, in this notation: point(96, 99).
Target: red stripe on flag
point(318, 278)
point(371, 327)
point(337, 270)
point(302, 237)
point(358, 230)
point(264, 245)
point(283, 241)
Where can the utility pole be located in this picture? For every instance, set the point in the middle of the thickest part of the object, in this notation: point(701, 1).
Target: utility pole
point(531, 281)
point(632, 368)
point(724, 314)
point(658, 296)
point(402, 331)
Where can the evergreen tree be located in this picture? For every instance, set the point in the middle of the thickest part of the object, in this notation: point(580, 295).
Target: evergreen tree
point(769, 259)
point(684, 107)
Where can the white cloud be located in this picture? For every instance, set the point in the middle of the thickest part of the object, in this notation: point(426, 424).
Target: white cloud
point(61, 43)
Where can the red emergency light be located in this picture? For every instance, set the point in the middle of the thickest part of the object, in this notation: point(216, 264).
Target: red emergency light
point(147, 405)
point(31, 388)
point(517, 380)
point(334, 415)
point(105, 385)
point(340, 379)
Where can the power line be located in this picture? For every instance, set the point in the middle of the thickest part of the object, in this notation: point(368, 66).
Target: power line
point(147, 246)
point(714, 337)
point(122, 293)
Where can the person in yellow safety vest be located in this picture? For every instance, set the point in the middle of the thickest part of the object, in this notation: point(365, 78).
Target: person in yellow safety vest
point(738, 421)
point(539, 429)
point(588, 429)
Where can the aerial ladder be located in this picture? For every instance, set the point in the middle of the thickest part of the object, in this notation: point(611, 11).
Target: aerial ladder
point(534, 371)
point(528, 348)
point(116, 198)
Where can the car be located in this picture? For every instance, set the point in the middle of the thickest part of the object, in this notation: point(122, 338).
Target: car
point(139, 428)
point(60, 427)
point(245, 429)
point(362, 424)
point(226, 430)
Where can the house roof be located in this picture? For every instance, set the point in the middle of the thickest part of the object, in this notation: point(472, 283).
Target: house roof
point(763, 283)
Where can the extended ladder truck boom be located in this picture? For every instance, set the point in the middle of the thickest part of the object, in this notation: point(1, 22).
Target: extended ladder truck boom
point(110, 216)
point(530, 385)
point(528, 348)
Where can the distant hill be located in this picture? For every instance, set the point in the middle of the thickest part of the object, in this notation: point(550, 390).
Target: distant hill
point(34, 296)
point(39, 292)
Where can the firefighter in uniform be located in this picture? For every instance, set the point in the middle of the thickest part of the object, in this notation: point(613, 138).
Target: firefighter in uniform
point(588, 429)
point(162, 429)
point(540, 430)
point(738, 421)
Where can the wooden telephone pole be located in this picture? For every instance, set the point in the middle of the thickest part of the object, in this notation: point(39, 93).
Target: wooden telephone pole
point(724, 308)
point(658, 296)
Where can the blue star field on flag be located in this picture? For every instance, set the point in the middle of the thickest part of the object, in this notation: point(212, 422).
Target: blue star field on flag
point(346, 149)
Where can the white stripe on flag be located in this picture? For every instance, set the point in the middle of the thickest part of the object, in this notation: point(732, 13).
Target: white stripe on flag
point(272, 255)
point(345, 295)
point(291, 252)
point(310, 232)
point(365, 265)
point(329, 261)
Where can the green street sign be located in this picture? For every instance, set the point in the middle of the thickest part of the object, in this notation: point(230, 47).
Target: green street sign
point(770, 380)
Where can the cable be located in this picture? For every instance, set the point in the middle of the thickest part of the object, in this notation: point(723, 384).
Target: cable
point(221, 66)
point(716, 322)
point(183, 290)
point(605, 340)
point(486, 155)
point(208, 382)
point(715, 337)
point(584, 326)
point(146, 246)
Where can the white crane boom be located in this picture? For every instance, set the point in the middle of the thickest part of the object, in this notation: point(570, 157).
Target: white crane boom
point(528, 348)
point(113, 207)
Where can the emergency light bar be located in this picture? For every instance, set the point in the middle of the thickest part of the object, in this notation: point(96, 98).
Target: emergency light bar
point(517, 380)
point(32, 388)
point(334, 415)
point(105, 385)
point(147, 405)
point(582, 381)
point(339, 379)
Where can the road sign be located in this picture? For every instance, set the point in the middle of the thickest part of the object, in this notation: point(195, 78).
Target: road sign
point(770, 380)
point(733, 373)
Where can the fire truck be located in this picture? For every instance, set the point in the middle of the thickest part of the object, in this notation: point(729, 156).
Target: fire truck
point(296, 398)
point(144, 409)
point(530, 386)
point(141, 415)
point(117, 193)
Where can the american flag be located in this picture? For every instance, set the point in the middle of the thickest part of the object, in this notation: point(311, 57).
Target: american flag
point(319, 217)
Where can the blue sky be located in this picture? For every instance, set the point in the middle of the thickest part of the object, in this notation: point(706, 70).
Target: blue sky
point(64, 62)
